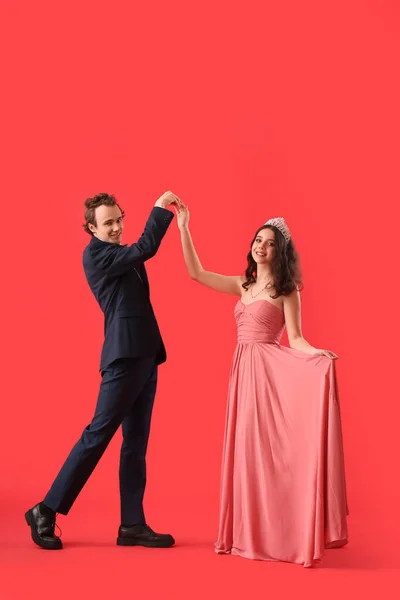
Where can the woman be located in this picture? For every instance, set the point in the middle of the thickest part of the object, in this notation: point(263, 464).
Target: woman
point(283, 490)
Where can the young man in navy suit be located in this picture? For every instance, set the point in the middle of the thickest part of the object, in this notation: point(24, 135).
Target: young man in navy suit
point(132, 350)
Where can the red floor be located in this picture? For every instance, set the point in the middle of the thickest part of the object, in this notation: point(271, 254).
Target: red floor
point(92, 566)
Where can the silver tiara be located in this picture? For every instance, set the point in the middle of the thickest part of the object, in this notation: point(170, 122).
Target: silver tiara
point(280, 223)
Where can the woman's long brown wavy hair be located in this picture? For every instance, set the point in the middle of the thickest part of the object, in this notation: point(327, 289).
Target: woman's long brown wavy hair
point(285, 265)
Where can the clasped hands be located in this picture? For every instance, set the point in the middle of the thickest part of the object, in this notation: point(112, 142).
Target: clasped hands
point(170, 199)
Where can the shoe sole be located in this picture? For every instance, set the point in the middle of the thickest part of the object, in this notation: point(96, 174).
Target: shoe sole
point(130, 542)
point(38, 541)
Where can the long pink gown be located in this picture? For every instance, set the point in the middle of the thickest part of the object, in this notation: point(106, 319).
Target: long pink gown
point(283, 488)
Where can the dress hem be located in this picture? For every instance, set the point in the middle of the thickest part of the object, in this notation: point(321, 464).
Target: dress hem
point(306, 564)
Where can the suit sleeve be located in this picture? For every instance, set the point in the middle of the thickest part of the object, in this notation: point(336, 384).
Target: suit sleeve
point(114, 259)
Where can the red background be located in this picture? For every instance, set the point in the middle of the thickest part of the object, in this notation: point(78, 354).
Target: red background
point(246, 111)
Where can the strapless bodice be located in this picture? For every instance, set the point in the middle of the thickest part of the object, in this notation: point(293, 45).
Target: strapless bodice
point(259, 322)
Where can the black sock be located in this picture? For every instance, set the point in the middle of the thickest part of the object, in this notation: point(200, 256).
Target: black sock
point(46, 510)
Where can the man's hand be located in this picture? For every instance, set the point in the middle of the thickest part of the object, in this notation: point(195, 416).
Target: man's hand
point(168, 198)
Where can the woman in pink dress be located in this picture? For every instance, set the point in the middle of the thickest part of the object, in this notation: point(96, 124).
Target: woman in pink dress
point(283, 489)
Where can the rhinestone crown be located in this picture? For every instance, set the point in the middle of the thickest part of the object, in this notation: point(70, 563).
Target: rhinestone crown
point(280, 223)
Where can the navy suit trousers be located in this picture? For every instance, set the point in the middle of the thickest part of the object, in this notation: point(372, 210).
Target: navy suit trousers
point(126, 398)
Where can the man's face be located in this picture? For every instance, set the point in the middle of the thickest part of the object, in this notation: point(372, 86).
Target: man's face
point(109, 224)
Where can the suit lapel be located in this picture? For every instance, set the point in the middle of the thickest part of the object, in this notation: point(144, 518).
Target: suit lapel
point(143, 275)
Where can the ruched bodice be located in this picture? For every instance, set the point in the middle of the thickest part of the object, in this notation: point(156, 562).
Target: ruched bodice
point(259, 322)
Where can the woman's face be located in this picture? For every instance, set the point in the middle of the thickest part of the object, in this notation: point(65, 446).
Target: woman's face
point(264, 246)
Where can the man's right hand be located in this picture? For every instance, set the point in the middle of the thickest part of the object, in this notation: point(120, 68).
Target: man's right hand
point(168, 198)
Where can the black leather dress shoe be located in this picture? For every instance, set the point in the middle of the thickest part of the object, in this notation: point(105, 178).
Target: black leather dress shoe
point(143, 535)
point(42, 525)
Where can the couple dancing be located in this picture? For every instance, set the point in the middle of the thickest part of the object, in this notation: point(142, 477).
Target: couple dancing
point(283, 490)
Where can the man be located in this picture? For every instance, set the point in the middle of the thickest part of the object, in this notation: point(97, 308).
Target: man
point(131, 352)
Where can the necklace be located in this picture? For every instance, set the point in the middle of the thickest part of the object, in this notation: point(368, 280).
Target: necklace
point(262, 289)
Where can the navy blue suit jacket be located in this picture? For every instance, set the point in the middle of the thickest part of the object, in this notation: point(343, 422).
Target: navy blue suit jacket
point(117, 277)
